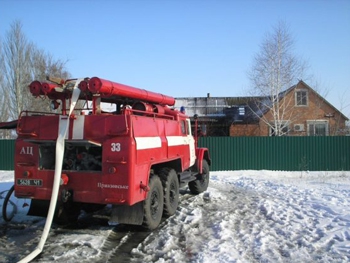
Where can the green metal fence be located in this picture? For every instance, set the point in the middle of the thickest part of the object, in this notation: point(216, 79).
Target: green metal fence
point(7, 154)
point(256, 153)
point(326, 153)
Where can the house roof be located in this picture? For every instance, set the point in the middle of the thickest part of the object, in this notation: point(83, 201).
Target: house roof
point(301, 82)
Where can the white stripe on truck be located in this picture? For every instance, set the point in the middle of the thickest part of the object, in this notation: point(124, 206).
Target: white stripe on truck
point(143, 143)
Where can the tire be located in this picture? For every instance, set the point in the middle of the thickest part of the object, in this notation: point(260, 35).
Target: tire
point(153, 205)
point(171, 190)
point(5, 216)
point(201, 183)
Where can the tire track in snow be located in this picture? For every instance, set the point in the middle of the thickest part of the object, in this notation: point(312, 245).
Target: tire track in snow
point(19, 238)
point(251, 220)
point(75, 242)
point(290, 224)
point(121, 241)
point(71, 243)
point(124, 239)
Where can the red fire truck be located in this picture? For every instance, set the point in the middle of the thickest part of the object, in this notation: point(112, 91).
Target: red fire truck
point(134, 158)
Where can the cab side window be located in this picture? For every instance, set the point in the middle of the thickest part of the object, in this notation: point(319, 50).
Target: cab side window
point(188, 124)
point(183, 127)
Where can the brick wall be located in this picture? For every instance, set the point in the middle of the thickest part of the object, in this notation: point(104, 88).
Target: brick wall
point(317, 109)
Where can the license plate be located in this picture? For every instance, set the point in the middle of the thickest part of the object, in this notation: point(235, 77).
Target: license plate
point(29, 182)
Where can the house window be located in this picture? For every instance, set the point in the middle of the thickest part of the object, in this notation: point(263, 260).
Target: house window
point(241, 111)
point(317, 128)
point(301, 97)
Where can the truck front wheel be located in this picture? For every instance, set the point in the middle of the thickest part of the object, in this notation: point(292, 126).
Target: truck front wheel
point(201, 183)
point(153, 205)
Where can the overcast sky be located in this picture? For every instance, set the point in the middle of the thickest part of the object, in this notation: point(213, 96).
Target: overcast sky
point(187, 48)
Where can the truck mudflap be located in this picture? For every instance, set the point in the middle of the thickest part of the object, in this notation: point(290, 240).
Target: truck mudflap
point(39, 208)
point(132, 215)
point(64, 212)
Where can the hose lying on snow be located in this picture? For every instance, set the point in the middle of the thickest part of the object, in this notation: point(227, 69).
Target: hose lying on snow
point(63, 127)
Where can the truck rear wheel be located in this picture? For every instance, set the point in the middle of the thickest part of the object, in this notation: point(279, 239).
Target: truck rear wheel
point(171, 190)
point(153, 205)
point(201, 183)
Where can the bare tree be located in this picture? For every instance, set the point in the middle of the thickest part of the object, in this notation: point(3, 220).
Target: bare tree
point(341, 128)
point(2, 88)
point(275, 69)
point(4, 113)
point(17, 68)
point(43, 65)
point(21, 62)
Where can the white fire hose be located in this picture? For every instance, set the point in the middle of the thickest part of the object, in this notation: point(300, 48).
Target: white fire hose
point(63, 128)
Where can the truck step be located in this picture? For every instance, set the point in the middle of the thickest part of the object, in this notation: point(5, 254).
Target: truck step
point(186, 177)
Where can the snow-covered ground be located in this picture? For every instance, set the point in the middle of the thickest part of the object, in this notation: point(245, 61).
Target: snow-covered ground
point(245, 216)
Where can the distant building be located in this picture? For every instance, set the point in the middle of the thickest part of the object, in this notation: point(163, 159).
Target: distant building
point(210, 111)
point(309, 114)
